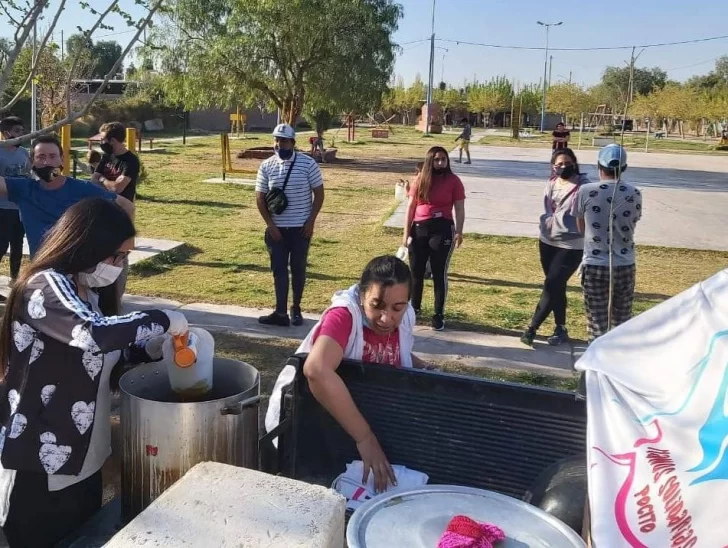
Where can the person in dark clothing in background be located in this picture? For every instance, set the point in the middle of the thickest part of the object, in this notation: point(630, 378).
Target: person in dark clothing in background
point(118, 172)
point(429, 229)
point(464, 139)
point(560, 137)
point(14, 162)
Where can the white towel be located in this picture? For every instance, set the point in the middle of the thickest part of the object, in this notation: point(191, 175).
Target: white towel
point(349, 483)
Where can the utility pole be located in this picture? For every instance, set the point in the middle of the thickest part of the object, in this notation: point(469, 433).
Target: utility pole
point(545, 68)
point(432, 76)
point(569, 77)
point(551, 66)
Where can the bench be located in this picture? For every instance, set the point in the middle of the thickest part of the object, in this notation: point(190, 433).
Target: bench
point(459, 430)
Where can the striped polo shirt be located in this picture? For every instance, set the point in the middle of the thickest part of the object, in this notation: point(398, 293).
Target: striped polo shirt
point(306, 176)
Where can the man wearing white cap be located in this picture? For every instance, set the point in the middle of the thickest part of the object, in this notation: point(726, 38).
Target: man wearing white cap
point(289, 195)
point(607, 213)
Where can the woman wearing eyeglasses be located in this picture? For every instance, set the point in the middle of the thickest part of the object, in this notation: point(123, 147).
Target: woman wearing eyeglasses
point(57, 353)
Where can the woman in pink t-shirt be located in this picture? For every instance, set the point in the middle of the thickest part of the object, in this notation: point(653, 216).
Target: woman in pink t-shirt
point(430, 231)
point(372, 322)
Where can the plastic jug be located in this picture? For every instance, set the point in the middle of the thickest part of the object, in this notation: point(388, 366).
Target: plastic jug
point(189, 360)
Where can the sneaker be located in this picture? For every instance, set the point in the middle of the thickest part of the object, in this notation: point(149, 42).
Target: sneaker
point(528, 336)
point(438, 323)
point(280, 320)
point(468, 162)
point(560, 336)
point(296, 317)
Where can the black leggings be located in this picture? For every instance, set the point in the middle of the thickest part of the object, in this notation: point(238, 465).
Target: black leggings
point(11, 235)
point(558, 265)
point(39, 517)
point(431, 240)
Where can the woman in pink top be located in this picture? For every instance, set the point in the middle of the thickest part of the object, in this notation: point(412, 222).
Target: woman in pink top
point(372, 322)
point(429, 229)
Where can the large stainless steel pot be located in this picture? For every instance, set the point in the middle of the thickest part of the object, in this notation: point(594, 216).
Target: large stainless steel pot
point(163, 438)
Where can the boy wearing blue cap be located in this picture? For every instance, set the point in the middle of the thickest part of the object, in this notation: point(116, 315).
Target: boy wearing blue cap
point(607, 213)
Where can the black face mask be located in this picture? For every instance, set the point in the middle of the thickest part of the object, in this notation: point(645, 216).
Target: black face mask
point(439, 170)
point(565, 172)
point(47, 173)
point(106, 148)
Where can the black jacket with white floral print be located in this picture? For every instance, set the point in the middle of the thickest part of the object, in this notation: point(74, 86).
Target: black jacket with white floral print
point(55, 363)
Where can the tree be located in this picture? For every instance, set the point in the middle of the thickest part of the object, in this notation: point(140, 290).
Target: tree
point(449, 99)
point(336, 52)
point(101, 56)
point(716, 78)
point(490, 97)
point(22, 17)
point(52, 78)
point(105, 54)
point(320, 120)
point(414, 97)
point(568, 99)
point(616, 88)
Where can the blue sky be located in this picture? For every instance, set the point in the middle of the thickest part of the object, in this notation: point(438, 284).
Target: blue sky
point(586, 23)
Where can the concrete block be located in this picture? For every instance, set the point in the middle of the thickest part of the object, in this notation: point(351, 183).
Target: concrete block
point(229, 507)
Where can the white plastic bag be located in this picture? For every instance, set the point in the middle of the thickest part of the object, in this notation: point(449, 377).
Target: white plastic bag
point(402, 253)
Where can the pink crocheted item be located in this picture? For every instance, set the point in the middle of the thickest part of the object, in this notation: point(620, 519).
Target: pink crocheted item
point(463, 532)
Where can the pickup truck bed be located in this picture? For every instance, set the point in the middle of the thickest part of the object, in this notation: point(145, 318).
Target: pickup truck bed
point(459, 430)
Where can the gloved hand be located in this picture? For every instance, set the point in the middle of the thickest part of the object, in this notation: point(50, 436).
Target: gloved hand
point(153, 348)
point(177, 322)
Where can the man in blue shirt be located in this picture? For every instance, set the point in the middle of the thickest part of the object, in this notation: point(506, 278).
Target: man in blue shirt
point(44, 199)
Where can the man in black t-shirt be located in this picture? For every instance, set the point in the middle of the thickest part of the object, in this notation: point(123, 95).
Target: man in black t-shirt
point(118, 172)
point(119, 168)
point(560, 137)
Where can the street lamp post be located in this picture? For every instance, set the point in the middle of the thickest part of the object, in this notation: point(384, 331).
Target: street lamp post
point(545, 69)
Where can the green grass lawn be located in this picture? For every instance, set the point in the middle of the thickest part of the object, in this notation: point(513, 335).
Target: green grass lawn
point(495, 282)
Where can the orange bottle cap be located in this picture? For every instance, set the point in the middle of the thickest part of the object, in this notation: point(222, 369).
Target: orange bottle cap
point(184, 356)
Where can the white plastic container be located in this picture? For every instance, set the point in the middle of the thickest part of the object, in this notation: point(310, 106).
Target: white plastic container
point(192, 382)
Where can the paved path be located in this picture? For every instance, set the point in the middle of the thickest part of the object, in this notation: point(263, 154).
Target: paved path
point(467, 348)
point(685, 196)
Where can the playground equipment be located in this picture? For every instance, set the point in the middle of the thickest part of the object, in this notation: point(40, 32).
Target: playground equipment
point(238, 120)
point(381, 130)
point(226, 157)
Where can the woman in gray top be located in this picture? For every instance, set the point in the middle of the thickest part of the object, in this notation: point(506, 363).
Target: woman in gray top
point(560, 245)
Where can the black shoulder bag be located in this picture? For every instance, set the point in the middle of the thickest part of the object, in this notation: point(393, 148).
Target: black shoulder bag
point(275, 198)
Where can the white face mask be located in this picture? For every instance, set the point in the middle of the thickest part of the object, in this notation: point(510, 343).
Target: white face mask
point(104, 274)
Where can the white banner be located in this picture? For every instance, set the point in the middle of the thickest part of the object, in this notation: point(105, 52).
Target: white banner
point(657, 436)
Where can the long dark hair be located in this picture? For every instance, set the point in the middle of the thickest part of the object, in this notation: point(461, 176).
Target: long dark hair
point(87, 233)
point(385, 271)
point(424, 181)
point(565, 152)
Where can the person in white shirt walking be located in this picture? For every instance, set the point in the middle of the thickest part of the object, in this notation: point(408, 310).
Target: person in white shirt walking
point(289, 196)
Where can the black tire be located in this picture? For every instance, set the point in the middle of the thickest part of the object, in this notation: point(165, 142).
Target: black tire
point(561, 490)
